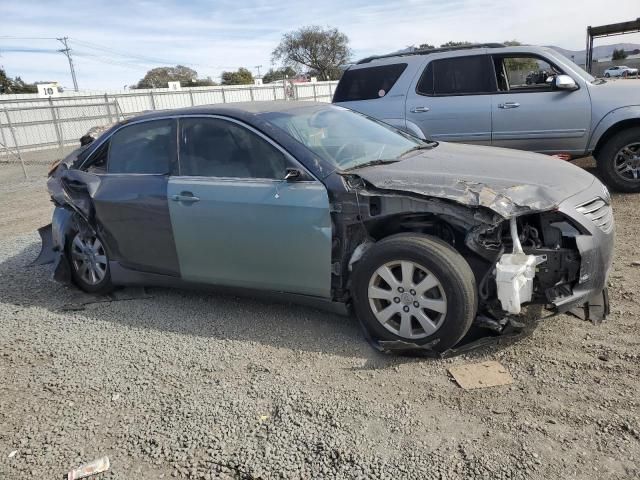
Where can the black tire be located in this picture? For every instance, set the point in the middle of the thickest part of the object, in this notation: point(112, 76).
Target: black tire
point(607, 75)
point(449, 268)
point(101, 287)
point(606, 161)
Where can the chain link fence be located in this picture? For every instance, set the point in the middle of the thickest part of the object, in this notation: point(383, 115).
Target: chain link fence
point(41, 130)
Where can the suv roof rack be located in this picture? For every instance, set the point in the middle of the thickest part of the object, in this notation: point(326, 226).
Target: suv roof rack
point(431, 50)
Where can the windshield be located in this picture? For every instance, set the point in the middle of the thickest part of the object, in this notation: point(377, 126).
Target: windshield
point(342, 137)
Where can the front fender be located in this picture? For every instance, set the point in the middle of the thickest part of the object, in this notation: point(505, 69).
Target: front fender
point(610, 119)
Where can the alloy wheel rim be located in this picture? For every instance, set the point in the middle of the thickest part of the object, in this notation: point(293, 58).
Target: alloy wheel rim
point(89, 258)
point(407, 299)
point(627, 162)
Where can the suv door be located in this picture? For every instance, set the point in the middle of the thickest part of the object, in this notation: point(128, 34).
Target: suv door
point(452, 99)
point(528, 114)
point(237, 221)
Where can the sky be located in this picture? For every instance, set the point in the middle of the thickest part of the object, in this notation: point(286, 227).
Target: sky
point(114, 43)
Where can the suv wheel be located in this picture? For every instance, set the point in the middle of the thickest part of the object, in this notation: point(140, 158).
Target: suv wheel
point(415, 288)
point(619, 161)
point(607, 75)
point(89, 263)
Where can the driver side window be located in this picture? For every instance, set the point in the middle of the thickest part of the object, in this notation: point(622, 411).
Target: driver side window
point(524, 73)
point(212, 147)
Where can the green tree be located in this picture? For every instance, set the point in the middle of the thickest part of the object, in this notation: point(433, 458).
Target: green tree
point(242, 76)
point(321, 50)
point(512, 43)
point(159, 77)
point(618, 54)
point(455, 44)
point(426, 46)
point(278, 74)
point(15, 85)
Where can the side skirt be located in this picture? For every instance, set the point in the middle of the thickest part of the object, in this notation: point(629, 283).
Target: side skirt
point(123, 276)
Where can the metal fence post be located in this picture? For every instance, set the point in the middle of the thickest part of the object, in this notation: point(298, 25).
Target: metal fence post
point(15, 143)
point(315, 97)
point(5, 147)
point(251, 93)
point(275, 95)
point(106, 101)
point(153, 101)
point(191, 97)
point(224, 98)
point(57, 126)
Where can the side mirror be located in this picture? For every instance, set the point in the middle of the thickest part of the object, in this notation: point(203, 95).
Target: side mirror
point(292, 174)
point(564, 82)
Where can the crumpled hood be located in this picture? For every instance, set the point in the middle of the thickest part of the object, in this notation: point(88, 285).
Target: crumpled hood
point(509, 182)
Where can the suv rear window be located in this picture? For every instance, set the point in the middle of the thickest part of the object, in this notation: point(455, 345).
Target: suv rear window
point(457, 76)
point(368, 83)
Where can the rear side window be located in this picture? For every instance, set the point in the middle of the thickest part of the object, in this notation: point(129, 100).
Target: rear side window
point(147, 147)
point(457, 76)
point(368, 83)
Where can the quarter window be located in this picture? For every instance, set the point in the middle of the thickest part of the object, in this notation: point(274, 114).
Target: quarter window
point(212, 147)
point(368, 83)
point(457, 76)
point(147, 147)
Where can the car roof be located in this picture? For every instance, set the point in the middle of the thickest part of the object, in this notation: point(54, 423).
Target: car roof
point(468, 50)
point(237, 108)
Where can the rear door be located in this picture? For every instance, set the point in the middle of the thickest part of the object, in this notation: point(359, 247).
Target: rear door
point(235, 219)
point(452, 99)
point(528, 114)
point(376, 90)
point(129, 195)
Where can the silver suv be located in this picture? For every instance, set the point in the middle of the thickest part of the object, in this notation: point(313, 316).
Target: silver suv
point(528, 98)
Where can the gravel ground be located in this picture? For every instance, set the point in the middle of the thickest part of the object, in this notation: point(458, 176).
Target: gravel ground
point(199, 385)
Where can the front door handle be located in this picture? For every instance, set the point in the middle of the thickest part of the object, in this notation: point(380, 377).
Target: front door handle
point(186, 197)
point(509, 105)
point(419, 109)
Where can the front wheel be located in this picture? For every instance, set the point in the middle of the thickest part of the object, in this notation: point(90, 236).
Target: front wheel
point(415, 288)
point(607, 75)
point(619, 161)
point(89, 263)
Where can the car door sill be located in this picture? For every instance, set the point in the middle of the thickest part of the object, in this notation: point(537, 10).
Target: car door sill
point(123, 276)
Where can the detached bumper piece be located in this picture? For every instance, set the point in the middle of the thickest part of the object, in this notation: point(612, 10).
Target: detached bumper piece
point(595, 310)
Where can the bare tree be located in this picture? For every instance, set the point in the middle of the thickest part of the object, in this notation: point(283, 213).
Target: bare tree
point(321, 50)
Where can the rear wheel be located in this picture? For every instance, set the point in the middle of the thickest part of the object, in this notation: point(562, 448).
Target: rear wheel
point(619, 161)
point(415, 288)
point(607, 75)
point(89, 262)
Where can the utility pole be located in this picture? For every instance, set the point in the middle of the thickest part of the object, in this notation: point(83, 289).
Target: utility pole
point(67, 51)
point(258, 67)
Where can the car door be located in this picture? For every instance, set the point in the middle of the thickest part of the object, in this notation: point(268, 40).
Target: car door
point(528, 114)
point(127, 183)
point(236, 220)
point(452, 99)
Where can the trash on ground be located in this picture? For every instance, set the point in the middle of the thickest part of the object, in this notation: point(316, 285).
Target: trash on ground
point(97, 466)
point(13, 453)
point(480, 375)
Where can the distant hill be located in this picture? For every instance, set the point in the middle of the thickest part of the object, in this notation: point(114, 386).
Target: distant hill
point(601, 51)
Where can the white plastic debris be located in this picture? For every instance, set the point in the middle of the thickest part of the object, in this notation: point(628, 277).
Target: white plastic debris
point(514, 275)
point(13, 453)
point(97, 466)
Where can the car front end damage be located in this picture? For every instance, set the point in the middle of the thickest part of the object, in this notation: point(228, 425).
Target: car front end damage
point(524, 248)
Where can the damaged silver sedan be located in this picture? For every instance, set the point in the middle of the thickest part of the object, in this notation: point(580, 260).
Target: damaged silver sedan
point(324, 205)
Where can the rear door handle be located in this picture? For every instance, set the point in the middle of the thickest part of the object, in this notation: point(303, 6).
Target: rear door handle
point(419, 109)
point(509, 105)
point(186, 197)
